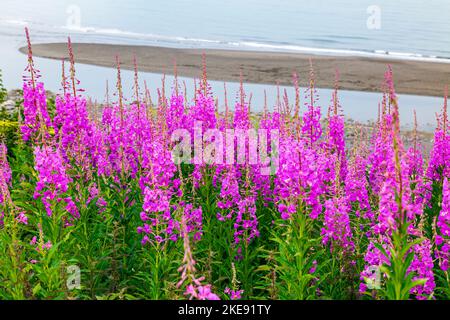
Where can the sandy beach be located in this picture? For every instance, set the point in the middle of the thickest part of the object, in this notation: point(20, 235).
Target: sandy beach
point(356, 73)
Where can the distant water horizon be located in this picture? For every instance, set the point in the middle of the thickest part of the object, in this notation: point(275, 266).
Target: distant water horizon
point(409, 30)
point(398, 29)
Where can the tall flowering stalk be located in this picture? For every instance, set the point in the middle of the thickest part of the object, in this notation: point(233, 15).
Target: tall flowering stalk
point(12, 218)
point(311, 129)
point(5, 181)
point(336, 133)
point(438, 167)
point(75, 131)
point(195, 289)
point(155, 183)
point(5, 174)
point(443, 229)
point(337, 231)
point(356, 185)
point(400, 243)
point(53, 180)
point(299, 188)
point(36, 120)
point(416, 172)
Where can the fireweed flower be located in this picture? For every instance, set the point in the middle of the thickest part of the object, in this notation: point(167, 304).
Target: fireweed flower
point(422, 266)
point(94, 195)
point(22, 218)
point(53, 181)
point(241, 116)
point(336, 230)
point(394, 176)
point(36, 118)
point(6, 201)
point(391, 174)
point(233, 294)
point(371, 276)
point(127, 131)
point(287, 185)
point(194, 288)
point(229, 195)
point(194, 219)
point(5, 181)
point(71, 207)
point(264, 182)
point(246, 222)
point(45, 247)
point(157, 216)
point(5, 172)
point(242, 209)
point(314, 267)
point(61, 113)
point(356, 187)
point(335, 136)
point(313, 177)
point(123, 155)
point(99, 152)
point(381, 153)
point(204, 111)
point(200, 292)
point(386, 135)
point(440, 156)
point(388, 207)
point(301, 175)
point(443, 228)
point(201, 117)
point(138, 133)
point(414, 162)
point(76, 132)
point(336, 142)
point(158, 186)
point(41, 246)
point(312, 129)
point(176, 117)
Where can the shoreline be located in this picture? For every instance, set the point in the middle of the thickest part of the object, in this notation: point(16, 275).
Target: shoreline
point(262, 67)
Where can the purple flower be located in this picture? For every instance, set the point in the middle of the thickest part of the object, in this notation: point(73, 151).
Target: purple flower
point(422, 266)
point(336, 230)
point(443, 228)
point(53, 180)
point(36, 117)
point(22, 218)
point(234, 294)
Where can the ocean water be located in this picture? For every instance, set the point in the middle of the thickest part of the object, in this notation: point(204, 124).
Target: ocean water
point(401, 29)
point(407, 28)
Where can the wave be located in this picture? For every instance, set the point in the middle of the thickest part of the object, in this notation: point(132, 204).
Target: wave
point(148, 36)
point(16, 22)
point(346, 52)
point(191, 42)
point(263, 46)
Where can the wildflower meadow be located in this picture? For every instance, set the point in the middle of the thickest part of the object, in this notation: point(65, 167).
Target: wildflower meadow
point(180, 197)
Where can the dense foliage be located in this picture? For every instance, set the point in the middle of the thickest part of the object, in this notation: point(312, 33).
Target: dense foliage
point(93, 205)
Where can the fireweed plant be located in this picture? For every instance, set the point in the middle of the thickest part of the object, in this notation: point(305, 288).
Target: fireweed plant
point(167, 198)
